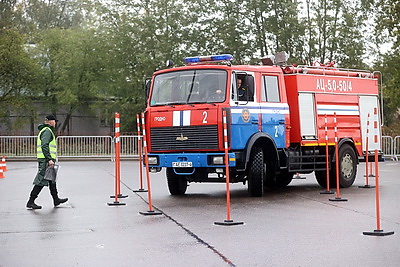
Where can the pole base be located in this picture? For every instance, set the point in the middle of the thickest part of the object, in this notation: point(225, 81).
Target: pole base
point(337, 199)
point(378, 233)
point(116, 203)
point(120, 196)
point(327, 192)
point(140, 190)
point(228, 223)
point(367, 186)
point(150, 212)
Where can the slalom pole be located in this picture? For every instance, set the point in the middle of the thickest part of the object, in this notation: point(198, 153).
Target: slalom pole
point(367, 171)
point(139, 145)
point(371, 174)
point(328, 186)
point(117, 164)
point(146, 162)
point(228, 220)
point(337, 198)
point(378, 231)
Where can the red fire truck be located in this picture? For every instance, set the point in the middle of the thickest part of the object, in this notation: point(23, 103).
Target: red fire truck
point(275, 116)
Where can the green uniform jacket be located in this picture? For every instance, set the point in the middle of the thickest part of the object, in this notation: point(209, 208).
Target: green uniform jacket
point(46, 137)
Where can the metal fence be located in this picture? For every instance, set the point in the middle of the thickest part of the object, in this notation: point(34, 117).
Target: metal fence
point(98, 147)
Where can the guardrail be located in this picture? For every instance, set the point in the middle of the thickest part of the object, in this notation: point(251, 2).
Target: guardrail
point(95, 147)
point(100, 147)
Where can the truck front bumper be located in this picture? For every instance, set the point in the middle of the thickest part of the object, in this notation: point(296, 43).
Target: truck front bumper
point(191, 160)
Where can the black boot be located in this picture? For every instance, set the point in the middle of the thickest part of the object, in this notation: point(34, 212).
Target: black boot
point(34, 194)
point(53, 191)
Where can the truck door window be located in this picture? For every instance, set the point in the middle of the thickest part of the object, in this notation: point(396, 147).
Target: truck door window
point(270, 89)
point(244, 88)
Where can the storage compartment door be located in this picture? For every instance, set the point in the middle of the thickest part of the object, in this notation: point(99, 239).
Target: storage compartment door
point(307, 116)
point(367, 105)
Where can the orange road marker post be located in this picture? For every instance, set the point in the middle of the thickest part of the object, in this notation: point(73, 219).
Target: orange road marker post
point(378, 231)
point(371, 174)
point(117, 165)
point(146, 162)
point(337, 198)
point(139, 146)
point(228, 221)
point(367, 185)
point(328, 186)
point(4, 164)
point(2, 174)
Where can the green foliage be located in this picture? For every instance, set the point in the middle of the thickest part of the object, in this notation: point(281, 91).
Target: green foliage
point(98, 53)
point(18, 76)
point(388, 26)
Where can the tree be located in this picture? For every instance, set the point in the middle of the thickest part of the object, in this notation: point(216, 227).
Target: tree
point(72, 61)
point(18, 78)
point(388, 25)
point(335, 32)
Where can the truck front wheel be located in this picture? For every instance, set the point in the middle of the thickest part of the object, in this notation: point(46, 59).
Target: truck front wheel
point(177, 184)
point(256, 172)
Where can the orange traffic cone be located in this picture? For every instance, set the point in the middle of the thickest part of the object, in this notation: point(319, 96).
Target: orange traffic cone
point(3, 163)
point(2, 173)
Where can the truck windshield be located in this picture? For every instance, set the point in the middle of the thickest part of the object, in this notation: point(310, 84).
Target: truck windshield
point(189, 87)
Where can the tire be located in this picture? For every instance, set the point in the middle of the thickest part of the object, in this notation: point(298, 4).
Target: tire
point(284, 178)
point(256, 173)
point(177, 184)
point(347, 167)
point(321, 179)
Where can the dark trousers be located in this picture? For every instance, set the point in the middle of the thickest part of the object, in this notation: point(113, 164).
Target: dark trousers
point(37, 188)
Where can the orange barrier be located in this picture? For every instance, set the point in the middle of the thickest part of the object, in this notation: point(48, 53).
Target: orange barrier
point(328, 186)
point(337, 198)
point(228, 220)
point(378, 231)
point(146, 162)
point(4, 164)
point(117, 164)
point(139, 145)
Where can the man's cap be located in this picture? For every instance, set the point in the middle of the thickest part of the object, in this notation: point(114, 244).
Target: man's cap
point(51, 118)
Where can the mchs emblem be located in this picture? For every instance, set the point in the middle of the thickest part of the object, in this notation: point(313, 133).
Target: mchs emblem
point(245, 115)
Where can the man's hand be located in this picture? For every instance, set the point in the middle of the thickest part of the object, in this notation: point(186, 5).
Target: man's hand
point(51, 162)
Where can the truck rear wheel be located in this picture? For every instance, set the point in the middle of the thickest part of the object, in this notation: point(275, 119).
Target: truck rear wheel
point(177, 184)
point(256, 172)
point(347, 168)
point(321, 179)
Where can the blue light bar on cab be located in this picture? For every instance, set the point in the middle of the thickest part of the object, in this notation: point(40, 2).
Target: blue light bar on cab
point(215, 58)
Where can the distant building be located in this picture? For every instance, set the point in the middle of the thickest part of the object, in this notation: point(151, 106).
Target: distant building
point(81, 123)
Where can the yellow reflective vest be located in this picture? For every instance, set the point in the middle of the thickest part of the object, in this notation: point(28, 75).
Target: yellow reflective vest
point(52, 145)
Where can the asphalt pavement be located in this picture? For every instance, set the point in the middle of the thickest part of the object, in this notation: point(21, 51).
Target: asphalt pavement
point(293, 226)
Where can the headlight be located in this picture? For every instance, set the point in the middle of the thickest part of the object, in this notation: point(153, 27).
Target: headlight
point(153, 160)
point(218, 160)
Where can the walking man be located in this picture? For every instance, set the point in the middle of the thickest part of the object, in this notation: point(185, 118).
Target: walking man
point(46, 156)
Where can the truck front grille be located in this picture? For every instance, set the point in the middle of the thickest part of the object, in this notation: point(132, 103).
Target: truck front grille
point(184, 138)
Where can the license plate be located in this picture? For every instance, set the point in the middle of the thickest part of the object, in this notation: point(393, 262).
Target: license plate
point(182, 164)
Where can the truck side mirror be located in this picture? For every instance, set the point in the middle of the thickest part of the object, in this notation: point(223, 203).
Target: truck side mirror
point(147, 85)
